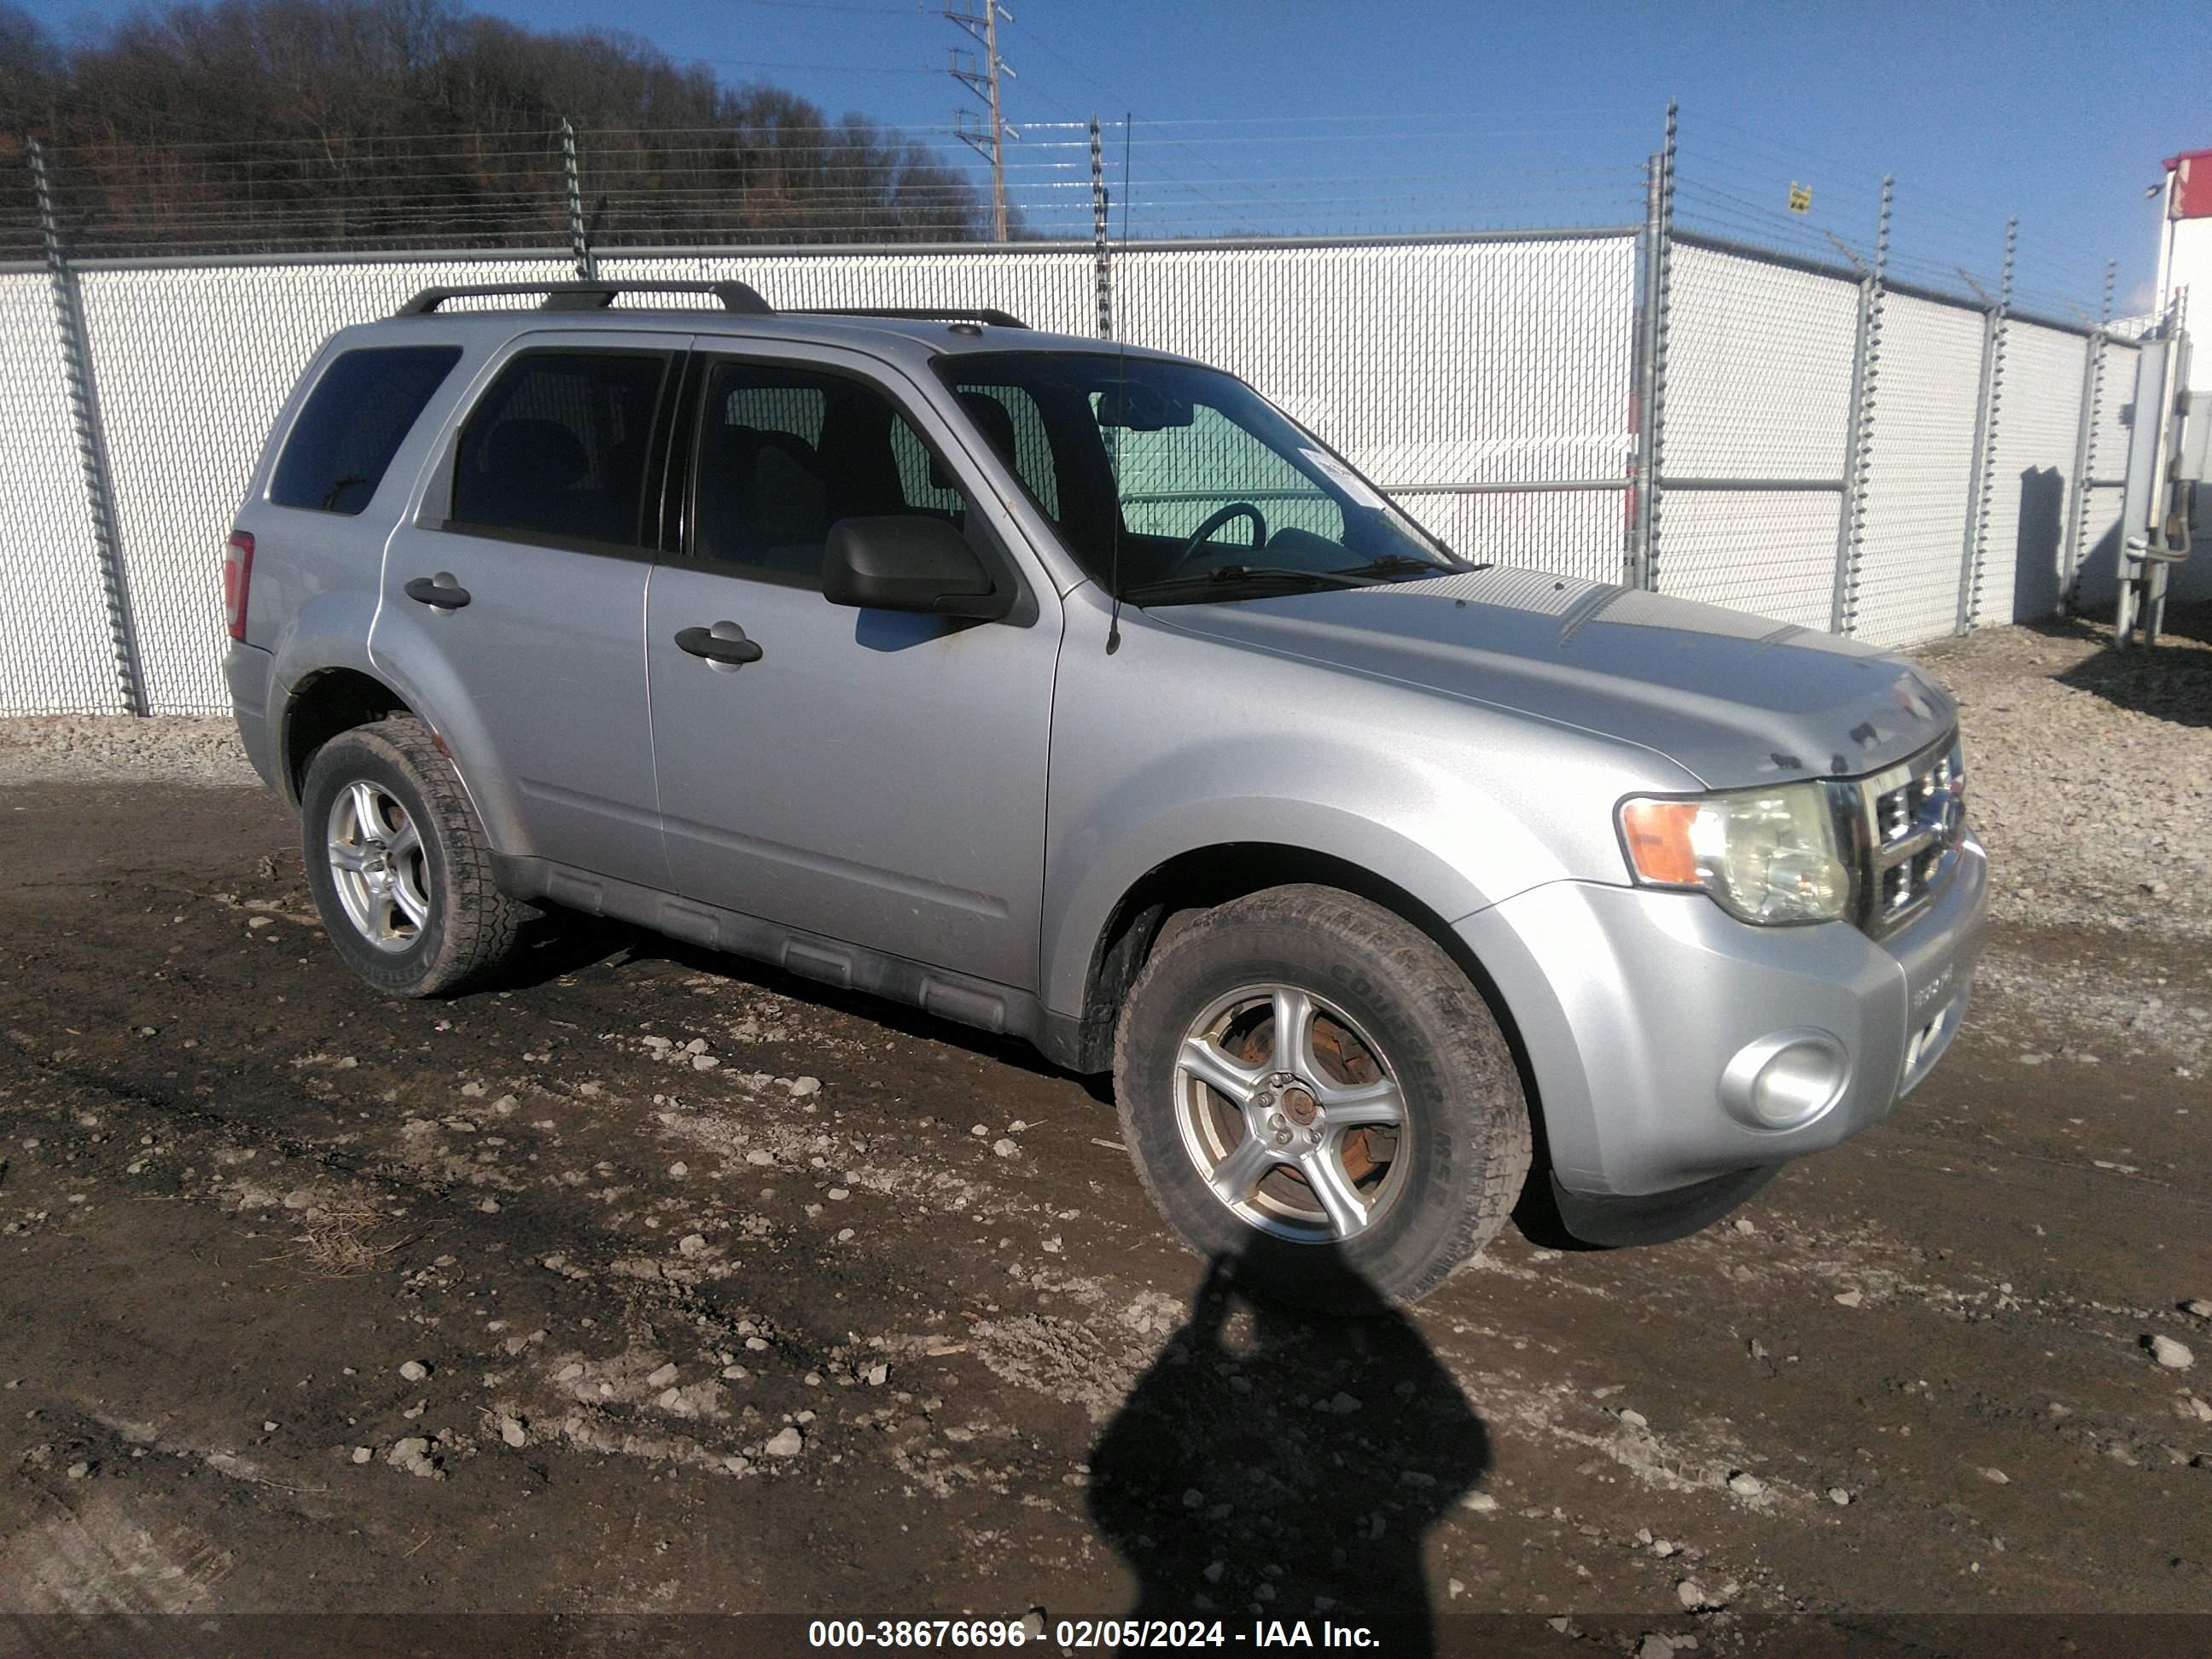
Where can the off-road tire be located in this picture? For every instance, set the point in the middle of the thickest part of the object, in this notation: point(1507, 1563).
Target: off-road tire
point(473, 925)
point(1467, 1123)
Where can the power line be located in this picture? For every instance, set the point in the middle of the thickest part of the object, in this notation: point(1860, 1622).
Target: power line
point(818, 69)
point(833, 5)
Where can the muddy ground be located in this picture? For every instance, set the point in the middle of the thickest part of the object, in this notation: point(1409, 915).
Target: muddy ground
point(657, 1283)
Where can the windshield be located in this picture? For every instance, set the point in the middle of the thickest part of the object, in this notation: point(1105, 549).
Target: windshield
point(1182, 484)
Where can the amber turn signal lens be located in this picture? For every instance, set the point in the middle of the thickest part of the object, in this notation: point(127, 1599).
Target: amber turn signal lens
point(1658, 836)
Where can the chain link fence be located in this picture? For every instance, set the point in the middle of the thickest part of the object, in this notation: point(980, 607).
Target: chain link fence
point(2032, 473)
point(194, 359)
point(1482, 382)
point(1919, 462)
point(54, 647)
point(192, 365)
point(1758, 385)
point(1823, 445)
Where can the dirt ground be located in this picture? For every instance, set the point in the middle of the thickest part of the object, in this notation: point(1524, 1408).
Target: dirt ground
point(657, 1283)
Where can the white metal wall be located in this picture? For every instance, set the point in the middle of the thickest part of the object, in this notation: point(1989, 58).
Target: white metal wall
point(1919, 467)
point(1759, 368)
point(55, 653)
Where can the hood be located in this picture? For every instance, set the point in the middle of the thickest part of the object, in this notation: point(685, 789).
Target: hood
point(1736, 699)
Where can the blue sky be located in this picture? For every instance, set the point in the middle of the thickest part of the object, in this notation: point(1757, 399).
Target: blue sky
point(1304, 116)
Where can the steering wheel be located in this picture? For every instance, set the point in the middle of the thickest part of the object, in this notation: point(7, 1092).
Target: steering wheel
point(1214, 521)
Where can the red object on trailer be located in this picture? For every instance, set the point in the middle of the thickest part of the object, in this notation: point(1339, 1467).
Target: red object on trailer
point(2193, 184)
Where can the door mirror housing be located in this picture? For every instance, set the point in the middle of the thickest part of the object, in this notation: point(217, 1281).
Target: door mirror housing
point(909, 562)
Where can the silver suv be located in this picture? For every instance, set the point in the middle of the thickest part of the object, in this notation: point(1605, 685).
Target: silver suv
point(1074, 691)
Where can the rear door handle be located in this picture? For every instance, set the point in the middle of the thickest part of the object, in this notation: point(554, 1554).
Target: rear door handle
point(440, 591)
point(725, 642)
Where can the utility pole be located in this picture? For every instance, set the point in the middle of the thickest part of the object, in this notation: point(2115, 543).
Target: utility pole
point(991, 140)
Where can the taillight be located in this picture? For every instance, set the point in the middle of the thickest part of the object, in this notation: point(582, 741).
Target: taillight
point(237, 575)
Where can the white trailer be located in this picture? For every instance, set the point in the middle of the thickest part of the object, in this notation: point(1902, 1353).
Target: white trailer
point(2168, 506)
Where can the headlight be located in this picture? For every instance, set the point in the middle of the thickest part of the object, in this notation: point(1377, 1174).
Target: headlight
point(1765, 856)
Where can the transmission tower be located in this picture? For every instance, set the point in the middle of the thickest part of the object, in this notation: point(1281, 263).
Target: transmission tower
point(982, 77)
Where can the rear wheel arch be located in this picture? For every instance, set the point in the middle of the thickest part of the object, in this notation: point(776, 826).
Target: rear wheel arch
point(322, 705)
point(328, 702)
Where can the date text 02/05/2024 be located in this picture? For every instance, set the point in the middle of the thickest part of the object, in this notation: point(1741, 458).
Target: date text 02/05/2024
point(1073, 1634)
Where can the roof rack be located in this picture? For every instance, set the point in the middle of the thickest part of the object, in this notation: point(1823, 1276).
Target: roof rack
point(591, 296)
point(990, 314)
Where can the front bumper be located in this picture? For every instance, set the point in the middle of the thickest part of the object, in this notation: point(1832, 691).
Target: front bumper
point(1631, 1003)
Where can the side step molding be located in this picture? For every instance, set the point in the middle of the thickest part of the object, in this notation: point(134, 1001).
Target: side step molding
point(981, 1003)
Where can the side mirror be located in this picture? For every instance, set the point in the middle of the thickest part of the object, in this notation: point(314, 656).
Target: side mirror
point(909, 563)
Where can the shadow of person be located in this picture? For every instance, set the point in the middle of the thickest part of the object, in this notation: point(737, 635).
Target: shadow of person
point(1275, 1464)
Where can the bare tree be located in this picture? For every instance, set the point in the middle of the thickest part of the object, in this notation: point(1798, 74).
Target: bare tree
point(292, 122)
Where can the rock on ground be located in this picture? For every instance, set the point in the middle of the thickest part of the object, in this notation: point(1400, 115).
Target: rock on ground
point(2174, 1356)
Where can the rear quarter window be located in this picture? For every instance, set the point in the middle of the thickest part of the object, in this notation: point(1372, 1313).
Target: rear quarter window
point(353, 424)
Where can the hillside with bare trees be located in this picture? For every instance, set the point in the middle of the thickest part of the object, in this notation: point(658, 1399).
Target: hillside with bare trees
point(271, 125)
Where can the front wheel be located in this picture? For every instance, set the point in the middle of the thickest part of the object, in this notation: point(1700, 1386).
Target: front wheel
point(400, 867)
point(1312, 1089)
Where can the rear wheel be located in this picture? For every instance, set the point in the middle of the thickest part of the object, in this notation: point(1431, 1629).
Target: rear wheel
point(399, 866)
point(1311, 1087)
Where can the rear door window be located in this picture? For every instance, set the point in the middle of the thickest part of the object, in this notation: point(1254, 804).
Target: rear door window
point(558, 448)
point(353, 424)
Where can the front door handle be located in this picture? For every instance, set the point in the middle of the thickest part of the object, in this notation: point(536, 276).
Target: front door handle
point(725, 642)
point(441, 592)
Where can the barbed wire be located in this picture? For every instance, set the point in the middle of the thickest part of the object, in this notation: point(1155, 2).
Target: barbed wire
point(1736, 183)
point(771, 182)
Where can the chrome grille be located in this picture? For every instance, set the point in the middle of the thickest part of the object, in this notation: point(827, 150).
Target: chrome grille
point(1903, 825)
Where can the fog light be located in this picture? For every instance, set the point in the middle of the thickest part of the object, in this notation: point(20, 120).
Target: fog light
point(1785, 1080)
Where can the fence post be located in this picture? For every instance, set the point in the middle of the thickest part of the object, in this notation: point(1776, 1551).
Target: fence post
point(580, 242)
point(1866, 362)
point(1980, 476)
point(1100, 265)
point(91, 442)
point(1651, 400)
point(2085, 444)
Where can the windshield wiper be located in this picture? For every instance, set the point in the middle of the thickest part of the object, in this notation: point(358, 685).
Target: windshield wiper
point(1239, 576)
point(1404, 564)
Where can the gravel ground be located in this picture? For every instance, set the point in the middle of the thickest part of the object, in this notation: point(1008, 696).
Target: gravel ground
point(2090, 772)
point(116, 749)
point(657, 1282)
